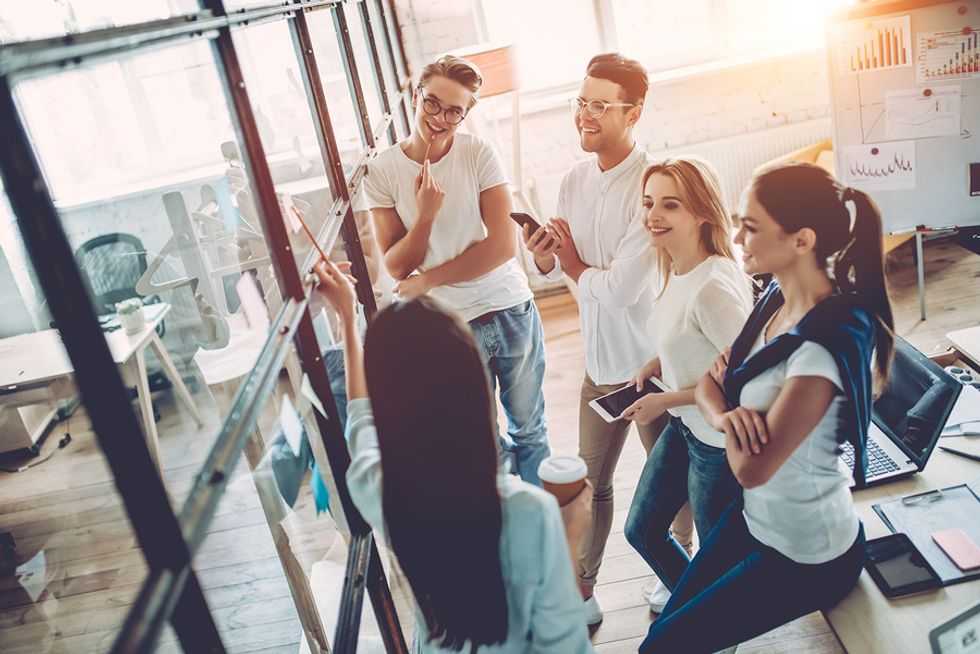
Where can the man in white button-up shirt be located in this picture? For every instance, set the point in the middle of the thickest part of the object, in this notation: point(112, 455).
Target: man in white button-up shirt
point(599, 241)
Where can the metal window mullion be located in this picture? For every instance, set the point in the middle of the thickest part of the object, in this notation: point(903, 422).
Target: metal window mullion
point(96, 374)
point(395, 75)
point(381, 85)
point(396, 38)
point(330, 151)
point(350, 67)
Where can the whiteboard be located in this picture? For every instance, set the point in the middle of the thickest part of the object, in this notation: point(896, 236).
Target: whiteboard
point(906, 123)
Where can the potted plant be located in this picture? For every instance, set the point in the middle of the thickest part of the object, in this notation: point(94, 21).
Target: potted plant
point(130, 314)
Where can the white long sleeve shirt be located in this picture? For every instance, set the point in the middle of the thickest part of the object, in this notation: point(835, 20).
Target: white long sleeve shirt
point(604, 210)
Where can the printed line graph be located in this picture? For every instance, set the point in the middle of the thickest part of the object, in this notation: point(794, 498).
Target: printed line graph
point(881, 166)
point(911, 114)
point(897, 166)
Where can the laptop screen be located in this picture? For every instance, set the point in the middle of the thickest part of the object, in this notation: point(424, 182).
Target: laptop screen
point(916, 404)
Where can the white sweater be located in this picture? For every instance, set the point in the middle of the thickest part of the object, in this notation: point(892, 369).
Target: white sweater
point(699, 314)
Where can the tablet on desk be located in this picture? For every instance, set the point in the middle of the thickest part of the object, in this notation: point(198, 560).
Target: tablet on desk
point(611, 406)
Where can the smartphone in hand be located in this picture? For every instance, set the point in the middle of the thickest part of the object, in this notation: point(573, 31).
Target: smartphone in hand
point(523, 219)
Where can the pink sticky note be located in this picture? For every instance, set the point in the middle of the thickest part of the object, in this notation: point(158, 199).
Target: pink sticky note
point(289, 209)
point(252, 303)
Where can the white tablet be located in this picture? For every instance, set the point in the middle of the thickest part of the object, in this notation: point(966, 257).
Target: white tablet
point(611, 406)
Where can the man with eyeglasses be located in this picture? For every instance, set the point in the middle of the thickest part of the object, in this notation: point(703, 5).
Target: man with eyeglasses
point(440, 204)
point(599, 241)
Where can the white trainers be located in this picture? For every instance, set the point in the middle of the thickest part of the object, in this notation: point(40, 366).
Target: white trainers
point(657, 596)
point(593, 612)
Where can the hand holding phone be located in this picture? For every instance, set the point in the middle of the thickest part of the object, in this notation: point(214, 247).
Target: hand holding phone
point(525, 220)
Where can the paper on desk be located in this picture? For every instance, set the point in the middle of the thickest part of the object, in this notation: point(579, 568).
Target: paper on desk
point(289, 210)
point(965, 416)
point(306, 388)
point(290, 425)
point(252, 303)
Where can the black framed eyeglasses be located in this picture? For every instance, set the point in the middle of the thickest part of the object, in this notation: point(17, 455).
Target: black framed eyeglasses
point(595, 108)
point(433, 107)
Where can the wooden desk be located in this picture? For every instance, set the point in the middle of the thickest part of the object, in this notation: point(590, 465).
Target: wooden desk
point(37, 357)
point(867, 622)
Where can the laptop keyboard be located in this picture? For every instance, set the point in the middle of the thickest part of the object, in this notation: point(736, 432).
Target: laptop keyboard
point(878, 462)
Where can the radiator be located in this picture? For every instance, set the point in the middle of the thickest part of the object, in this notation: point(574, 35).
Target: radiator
point(736, 157)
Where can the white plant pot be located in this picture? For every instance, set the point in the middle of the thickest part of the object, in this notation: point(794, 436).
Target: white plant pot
point(132, 322)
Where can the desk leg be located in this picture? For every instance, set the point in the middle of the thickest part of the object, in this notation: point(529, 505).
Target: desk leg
point(171, 370)
point(146, 407)
point(921, 269)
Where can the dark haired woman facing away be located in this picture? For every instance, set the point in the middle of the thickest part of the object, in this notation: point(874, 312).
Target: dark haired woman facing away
point(796, 386)
point(486, 554)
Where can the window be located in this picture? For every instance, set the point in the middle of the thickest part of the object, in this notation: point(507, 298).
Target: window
point(38, 19)
point(663, 34)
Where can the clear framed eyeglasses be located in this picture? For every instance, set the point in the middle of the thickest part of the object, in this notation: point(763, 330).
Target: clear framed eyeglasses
point(595, 108)
point(433, 107)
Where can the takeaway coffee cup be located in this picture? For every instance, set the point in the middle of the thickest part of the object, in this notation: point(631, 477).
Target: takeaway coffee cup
point(563, 476)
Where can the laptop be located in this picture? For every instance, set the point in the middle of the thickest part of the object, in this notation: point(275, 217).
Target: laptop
point(908, 418)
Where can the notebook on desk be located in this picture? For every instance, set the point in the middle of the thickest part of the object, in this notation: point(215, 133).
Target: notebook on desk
point(907, 419)
point(924, 514)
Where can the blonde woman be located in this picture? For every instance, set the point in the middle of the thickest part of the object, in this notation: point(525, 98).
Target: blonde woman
point(703, 305)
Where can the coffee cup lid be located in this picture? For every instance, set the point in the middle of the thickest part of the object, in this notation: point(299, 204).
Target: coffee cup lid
point(562, 469)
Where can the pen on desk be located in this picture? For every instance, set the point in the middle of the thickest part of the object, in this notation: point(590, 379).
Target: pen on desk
point(965, 455)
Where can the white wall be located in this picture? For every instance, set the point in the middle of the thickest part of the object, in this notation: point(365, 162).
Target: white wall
point(679, 112)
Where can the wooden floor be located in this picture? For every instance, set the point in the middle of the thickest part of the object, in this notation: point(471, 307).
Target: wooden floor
point(78, 567)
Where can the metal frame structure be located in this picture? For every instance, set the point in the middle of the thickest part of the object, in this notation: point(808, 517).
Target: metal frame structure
point(171, 591)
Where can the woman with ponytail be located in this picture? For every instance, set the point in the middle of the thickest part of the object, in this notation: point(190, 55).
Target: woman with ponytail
point(794, 388)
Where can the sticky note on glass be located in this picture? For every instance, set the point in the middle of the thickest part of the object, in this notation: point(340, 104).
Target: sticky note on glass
point(252, 303)
point(289, 209)
point(306, 388)
point(290, 425)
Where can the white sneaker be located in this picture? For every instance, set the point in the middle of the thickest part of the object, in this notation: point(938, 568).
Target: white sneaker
point(593, 612)
point(657, 596)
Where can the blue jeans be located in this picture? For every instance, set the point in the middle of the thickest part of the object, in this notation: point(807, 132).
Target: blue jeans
point(736, 588)
point(511, 344)
point(679, 468)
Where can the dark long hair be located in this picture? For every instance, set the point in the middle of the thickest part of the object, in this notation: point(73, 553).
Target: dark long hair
point(799, 195)
point(434, 417)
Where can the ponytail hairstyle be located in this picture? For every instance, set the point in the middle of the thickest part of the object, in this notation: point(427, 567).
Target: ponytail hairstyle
point(799, 195)
point(436, 430)
point(700, 191)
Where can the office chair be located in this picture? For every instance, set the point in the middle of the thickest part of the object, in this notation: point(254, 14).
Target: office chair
point(110, 266)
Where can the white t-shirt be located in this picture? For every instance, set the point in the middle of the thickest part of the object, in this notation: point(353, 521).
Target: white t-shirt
point(470, 167)
point(805, 511)
point(699, 314)
point(604, 210)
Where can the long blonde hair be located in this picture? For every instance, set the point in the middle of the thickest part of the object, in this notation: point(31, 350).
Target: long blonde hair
point(700, 191)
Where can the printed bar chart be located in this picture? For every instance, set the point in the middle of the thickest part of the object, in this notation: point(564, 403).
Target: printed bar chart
point(875, 45)
point(947, 56)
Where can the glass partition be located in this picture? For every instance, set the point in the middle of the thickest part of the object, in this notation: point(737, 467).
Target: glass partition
point(142, 160)
point(282, 110)
point(342, 105)
point(365, 66)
